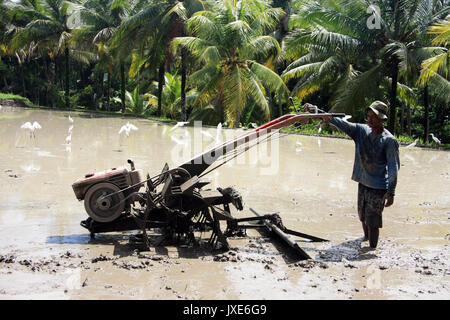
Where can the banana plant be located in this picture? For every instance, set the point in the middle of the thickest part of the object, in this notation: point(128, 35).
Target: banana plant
point(135, 103)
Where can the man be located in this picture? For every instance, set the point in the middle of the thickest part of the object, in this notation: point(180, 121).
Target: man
point(375, 168)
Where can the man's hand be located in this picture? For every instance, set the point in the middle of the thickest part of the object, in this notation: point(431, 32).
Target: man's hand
point(389, 199)
point(310, 108)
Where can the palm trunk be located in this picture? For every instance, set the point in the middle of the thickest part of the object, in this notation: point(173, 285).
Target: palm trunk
point(237, 120)
point(280, 105)
point(426, 125)
point(409, 120)
point(66, 56)
point(100, 87)
point(108, 93)
point(183, 85)
point(393, 98)
point(22, 79)
point(4, 75)
point(402, 117)
point(37, 92)
point(122, 86)
point(160, 86)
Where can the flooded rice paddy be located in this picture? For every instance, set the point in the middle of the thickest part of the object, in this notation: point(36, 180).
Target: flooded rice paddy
point(46, 254)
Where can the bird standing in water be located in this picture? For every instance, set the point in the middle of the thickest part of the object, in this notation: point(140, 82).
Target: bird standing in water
point(127, 128)
point(31, 127)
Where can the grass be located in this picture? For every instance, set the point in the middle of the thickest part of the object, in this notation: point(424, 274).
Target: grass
point(28, 103)
point(313, 129)
point(9, 96)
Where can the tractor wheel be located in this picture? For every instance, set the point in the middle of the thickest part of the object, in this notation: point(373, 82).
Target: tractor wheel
point(100, 206)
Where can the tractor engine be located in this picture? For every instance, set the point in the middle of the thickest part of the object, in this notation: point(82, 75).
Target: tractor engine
point(106, 194)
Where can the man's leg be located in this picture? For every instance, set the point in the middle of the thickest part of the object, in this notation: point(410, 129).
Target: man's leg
point(373, 210)
point(361, 210)
point(366, 231)
point(373, 237)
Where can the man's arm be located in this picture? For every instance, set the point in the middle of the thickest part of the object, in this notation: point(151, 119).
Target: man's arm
point(345, 126)
point(393, 165)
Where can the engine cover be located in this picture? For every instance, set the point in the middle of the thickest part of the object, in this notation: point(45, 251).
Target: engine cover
point(121, 177)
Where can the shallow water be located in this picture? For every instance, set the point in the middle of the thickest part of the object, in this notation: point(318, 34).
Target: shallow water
point(306, 179)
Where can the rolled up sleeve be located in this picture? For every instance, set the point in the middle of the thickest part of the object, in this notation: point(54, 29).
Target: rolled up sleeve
point(393, 165)
point(345, 126)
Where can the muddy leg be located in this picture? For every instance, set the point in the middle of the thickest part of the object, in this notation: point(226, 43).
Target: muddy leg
point(366, 231)
point(373, 237)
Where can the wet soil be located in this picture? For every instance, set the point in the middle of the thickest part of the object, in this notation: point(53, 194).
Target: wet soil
point(46, 254)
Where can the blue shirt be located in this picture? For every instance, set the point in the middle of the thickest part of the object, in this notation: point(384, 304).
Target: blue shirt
point(376, 155)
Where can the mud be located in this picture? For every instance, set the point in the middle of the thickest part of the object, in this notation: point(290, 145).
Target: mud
point(46, 254)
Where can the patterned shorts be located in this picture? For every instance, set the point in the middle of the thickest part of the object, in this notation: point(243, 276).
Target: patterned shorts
point(370, 206)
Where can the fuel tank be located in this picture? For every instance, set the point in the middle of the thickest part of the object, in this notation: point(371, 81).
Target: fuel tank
point(121, 177)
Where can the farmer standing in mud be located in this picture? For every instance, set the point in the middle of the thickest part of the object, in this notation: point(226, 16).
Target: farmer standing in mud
point(375, 168)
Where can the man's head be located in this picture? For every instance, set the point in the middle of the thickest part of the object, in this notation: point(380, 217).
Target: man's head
point(376, 114)
point(380, 109)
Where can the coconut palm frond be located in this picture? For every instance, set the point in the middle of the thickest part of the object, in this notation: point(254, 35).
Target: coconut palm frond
point(269, 78)
point(263, 47)
point(406, 94)
point(234, 93)
point(296, 72)
point(442, 30)
point(433, 66)
point(363, 86)
point(195, 45)
point(202, 25)
point(178, 11)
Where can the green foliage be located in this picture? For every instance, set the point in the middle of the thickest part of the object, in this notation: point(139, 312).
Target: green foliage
point(240, 66)
point(83, 98)
point(136, 103)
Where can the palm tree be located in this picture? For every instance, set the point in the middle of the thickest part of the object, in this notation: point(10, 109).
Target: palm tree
point(435, 70)
point(231, 45)
point(150, 30)
point(102, 20)
point(363, 61)
point(49, 28)
point(328, 47)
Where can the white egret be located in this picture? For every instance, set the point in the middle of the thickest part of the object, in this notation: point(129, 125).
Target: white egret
point(412, 144)
point(69, 139)
point(70, 129)
point(31, 127)
point(70, 119)
point(298, 147)
point(435, 139)
point(179, 124)
point(127, 128)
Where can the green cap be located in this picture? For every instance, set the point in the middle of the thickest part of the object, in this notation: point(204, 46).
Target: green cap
point(380, 109)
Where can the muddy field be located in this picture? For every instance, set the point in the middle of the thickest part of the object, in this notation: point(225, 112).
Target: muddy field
point(46, 254)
